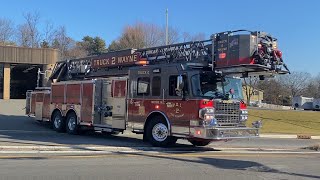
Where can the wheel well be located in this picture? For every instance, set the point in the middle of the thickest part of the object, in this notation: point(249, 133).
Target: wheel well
point(54, 111)
point(71, 111)
point(153, 115)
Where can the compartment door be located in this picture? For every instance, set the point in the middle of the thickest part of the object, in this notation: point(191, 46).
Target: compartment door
point(39, 106)
point(114, 95)
point(112, 103)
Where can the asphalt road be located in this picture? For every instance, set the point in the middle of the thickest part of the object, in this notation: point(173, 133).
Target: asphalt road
point(220, 160)
point(213, 165)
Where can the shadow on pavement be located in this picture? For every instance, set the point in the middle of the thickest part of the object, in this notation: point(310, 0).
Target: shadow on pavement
point(229, 164)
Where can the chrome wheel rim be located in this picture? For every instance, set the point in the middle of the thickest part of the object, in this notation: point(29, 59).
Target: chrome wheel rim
point(160, 132)
point(57, 122)
point(72, 123)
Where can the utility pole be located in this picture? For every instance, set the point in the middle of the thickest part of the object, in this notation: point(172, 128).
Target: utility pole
point(167, 28)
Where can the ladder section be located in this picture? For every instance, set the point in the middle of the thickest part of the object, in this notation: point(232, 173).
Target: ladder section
point(188, 51)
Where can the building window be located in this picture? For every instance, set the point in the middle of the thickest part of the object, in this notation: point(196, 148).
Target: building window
point(156, 86)
point(143, 86)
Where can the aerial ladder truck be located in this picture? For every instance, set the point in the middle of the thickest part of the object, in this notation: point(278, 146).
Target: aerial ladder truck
point(190, 90)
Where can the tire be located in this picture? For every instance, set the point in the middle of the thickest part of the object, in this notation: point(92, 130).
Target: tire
point(157, 133)
point(58, 122)
point(72, 124)
point(199, 142)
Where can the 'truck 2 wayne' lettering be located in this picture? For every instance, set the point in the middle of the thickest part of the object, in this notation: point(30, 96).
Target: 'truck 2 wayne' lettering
point(115, 61)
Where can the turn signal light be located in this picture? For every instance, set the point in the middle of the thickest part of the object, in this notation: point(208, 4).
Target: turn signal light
point(205, 103)
point(243, 105)
point(198, 132)
point(222, 55)
point(142, 62)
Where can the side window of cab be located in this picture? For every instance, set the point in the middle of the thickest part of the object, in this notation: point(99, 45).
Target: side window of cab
point(173, 85)
point(143, 86)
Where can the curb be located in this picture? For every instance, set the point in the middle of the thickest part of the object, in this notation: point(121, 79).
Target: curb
point(285, 136)
point(108, 149)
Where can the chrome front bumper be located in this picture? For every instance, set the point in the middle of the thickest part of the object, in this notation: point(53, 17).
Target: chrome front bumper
point(224, 133)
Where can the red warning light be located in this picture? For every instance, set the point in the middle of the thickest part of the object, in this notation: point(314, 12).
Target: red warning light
point(157, 106)
point(198, 132)
point(222, 55)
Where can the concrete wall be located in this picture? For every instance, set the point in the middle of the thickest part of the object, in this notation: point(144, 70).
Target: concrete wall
point(274, 106)
point(6, 81)
point(10, 54)
point(22, 55)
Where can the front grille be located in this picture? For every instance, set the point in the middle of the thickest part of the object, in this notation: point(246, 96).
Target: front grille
point(227, 114)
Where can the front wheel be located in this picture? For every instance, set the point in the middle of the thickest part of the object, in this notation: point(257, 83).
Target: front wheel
point(157, 132)
point(72, 124)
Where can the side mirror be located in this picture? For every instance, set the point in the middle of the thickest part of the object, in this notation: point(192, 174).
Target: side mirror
point(180, 85)
point(231, 91)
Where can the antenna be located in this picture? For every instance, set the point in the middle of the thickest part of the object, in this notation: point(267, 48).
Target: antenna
point(167, 30)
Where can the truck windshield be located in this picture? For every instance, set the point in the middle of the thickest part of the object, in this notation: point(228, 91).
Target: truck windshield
point(211, 86)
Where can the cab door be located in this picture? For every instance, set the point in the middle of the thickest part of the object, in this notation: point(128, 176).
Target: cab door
point(180, 109)
point(138, 98)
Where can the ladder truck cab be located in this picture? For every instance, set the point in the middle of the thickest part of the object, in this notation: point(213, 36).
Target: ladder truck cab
point(191, 90)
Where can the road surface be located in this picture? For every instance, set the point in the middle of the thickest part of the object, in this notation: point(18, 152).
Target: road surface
point(211, 165)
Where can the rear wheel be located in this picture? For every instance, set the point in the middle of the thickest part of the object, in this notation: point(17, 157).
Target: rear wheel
point(58, 122)
point(72, 123)
point(199, 142)
point(157, 132)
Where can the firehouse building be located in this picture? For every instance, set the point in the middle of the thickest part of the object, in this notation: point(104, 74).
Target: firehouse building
point(19, 68)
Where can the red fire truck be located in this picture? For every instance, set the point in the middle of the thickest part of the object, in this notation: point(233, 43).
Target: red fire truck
point(191, 90)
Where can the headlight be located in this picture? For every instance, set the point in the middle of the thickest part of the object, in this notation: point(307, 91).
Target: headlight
point(206, 113)
point(208, 117)
point(243, 111)
point(243, 117)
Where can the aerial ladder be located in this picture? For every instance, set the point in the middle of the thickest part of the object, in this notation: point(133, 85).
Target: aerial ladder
point(226, 52)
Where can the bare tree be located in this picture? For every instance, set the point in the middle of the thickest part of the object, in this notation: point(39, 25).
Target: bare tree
point(49, 33)
point(173, 36)
point(28, 34)
point(76, 51)
point(23, 36)
point(250, 86)
point(196, 37)
point(132, 37)
point(6, 31)
point(144, 35)
point(152, 35)
point(139, 35)
point(296, 82)
point(63, 42)
point(313, 87)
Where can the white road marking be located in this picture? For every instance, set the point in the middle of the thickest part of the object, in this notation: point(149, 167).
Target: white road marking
point(152, 152)
point(110, 149)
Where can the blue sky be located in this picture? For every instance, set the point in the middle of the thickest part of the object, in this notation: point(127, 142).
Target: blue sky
point(296, 24)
